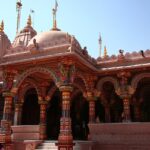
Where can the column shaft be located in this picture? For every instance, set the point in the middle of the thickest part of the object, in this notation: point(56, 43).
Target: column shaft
point(18, 114)
point(126, 106)
point(43, 121)
point(65, 139)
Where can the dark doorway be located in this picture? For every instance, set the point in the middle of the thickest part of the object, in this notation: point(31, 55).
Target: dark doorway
point(80, 118)
point(145, 105)
point(53, 116)
point(99, 111)
point(1, 106)
point(112, 103)
point(31, 108)
point(141, 101)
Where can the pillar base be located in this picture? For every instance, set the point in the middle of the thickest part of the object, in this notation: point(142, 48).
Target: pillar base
point(9, 146)
point(65, 146)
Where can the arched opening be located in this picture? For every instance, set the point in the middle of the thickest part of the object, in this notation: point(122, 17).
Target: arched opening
point(31, 108)
point(53, 116)
point(113, 105)
point(141, 101)
point(99, 111)
point(79, 116)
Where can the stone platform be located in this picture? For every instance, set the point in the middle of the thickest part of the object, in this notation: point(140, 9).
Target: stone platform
point(120, 136)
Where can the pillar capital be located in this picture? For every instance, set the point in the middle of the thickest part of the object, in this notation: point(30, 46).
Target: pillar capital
point(66, 73)
point(8, 79)
point(66, 88)
point(8, 94)
point(125, 93)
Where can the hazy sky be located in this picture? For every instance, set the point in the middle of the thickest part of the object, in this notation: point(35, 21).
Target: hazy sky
point(124, 24)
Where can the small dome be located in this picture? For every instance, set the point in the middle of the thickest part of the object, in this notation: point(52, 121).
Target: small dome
point(4, 41)
point(25, 35)
point(52, 38)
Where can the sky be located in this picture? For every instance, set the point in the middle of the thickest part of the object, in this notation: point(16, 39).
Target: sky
point(123, 24)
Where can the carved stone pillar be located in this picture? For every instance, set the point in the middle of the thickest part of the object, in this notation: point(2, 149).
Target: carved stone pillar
point(91, 100)
point(126, 107)
point(43, 105)
point(7, 113)
point(18, 114)
point(66, 74)
point(65, 139)
point(125, 93)
point(6, 122)
point(91, 96)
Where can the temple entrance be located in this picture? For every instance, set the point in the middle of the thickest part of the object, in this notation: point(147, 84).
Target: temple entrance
point(31, 108)
point(53, 116)
point(111, 103)
point(141, 101)
point(80, 118)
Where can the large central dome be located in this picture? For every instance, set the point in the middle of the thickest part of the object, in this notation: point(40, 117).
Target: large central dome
point(52, 38)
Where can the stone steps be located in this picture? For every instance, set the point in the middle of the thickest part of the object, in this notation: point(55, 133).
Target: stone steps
point(79, 145)
point(47, 145)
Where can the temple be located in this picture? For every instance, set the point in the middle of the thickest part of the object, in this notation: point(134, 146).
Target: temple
point(54, 95)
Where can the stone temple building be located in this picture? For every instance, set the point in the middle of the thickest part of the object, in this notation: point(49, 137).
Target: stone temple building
point(54, 95)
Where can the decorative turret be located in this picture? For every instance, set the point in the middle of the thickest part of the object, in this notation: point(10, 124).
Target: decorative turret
point(4, 41)
point(2, 26)
point(105, 52)
point(25, 35)
point(29, 22)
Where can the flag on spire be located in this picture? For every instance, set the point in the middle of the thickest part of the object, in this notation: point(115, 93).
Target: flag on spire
point(56, 5)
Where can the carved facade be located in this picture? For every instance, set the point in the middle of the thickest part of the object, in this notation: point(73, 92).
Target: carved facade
point(50, 82)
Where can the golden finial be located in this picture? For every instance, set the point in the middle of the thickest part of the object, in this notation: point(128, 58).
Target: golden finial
point(2, 26)
point(29, 22)
point(54, 16)
point(105, 51)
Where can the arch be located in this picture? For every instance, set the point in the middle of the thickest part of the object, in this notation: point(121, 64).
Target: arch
point(30, 71)
point(114, 81)
point(137, 78)
point(79, 75)
point(32, 84)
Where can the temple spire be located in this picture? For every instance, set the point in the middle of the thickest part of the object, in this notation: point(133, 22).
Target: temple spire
point(2, 26)
point(105, 51)
point(29, 22)
point(54, 10)
point(100, 45)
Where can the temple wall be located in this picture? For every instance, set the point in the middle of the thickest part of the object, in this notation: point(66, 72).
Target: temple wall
point(121, 136)
point(25, 132)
